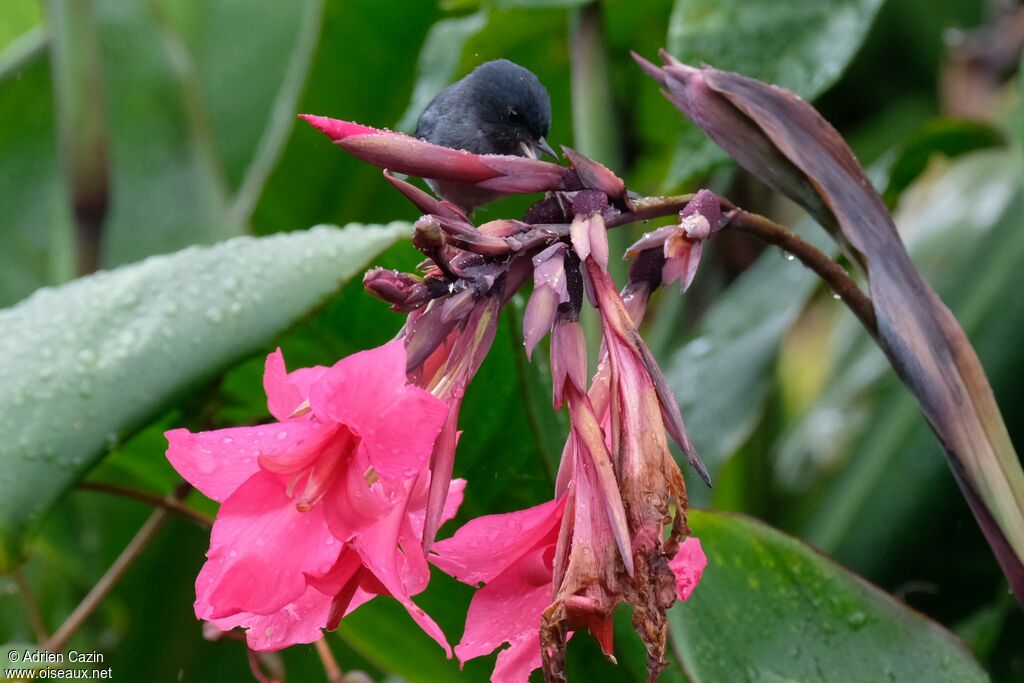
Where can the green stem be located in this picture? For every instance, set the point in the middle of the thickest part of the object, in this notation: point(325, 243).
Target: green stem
point(35, 617)
point(170, 503)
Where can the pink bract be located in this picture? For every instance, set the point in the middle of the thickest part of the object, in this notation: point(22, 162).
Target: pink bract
point(512, 554)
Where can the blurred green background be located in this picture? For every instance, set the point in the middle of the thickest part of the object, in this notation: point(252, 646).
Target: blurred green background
point(131, 128)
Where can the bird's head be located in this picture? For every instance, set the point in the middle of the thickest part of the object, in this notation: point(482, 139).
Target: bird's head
point(514, 108)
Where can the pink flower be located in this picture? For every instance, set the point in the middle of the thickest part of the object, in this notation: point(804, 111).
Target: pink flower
point(329, 491)
point(681, 245)
point(512, 555)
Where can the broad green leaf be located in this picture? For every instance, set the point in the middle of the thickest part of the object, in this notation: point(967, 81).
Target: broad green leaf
point(771, 609)
point(801, 46)
point(85, 364)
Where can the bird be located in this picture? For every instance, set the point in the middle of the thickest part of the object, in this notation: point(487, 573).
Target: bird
point(499, 108)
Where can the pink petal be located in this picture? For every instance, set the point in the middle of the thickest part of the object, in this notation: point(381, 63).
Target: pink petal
point(261, 549)
point(650, 240)
point(297, 622)
point(540, 314)
point(293, 446)
point(453, 502)
point(688, 566)
point(352, 504)
point(515, 663)
point(579, 235)
point(486, 546)
point(216, 462)
point(396, 421)
point(344, 570)
point(379, 548)
point(503, 610)
point(286, 392)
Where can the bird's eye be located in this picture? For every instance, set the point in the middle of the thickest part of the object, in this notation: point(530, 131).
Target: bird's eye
point(514, 116)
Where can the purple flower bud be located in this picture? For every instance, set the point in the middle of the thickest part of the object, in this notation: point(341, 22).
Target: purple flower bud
point(401, 290)
point(568, 359)
point(596, 176)
point(549, 290)
point(426, 235)
point(590, 239)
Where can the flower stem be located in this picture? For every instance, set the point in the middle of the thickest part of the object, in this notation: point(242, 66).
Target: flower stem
point(169, 503)
point(834, 275)
point(35, 617)
point(114, 574)
point(331, 668)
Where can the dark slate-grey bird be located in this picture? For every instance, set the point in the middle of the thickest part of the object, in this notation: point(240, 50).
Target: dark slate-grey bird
point(499, 108)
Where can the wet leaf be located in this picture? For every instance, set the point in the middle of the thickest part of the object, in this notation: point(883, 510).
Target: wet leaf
point(770, 608)
point(87, 363)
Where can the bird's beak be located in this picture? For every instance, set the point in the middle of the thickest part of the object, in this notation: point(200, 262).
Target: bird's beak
point(543, 145)
point(531, 149)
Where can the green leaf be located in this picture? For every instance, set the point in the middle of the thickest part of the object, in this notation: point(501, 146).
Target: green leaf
point(363, 70)
point(770, 608)
point(36, 235)
point(949, 137)
point(17, 18)
point(797, 45)
point(85, 364)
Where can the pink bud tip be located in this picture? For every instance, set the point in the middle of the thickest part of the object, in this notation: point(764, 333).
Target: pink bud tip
point(336, 129)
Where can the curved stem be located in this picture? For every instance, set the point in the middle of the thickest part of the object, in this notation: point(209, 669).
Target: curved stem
point(834, 275)
point(107, 582)
point(169, 503)
point(331, 668)
point(35, 617)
